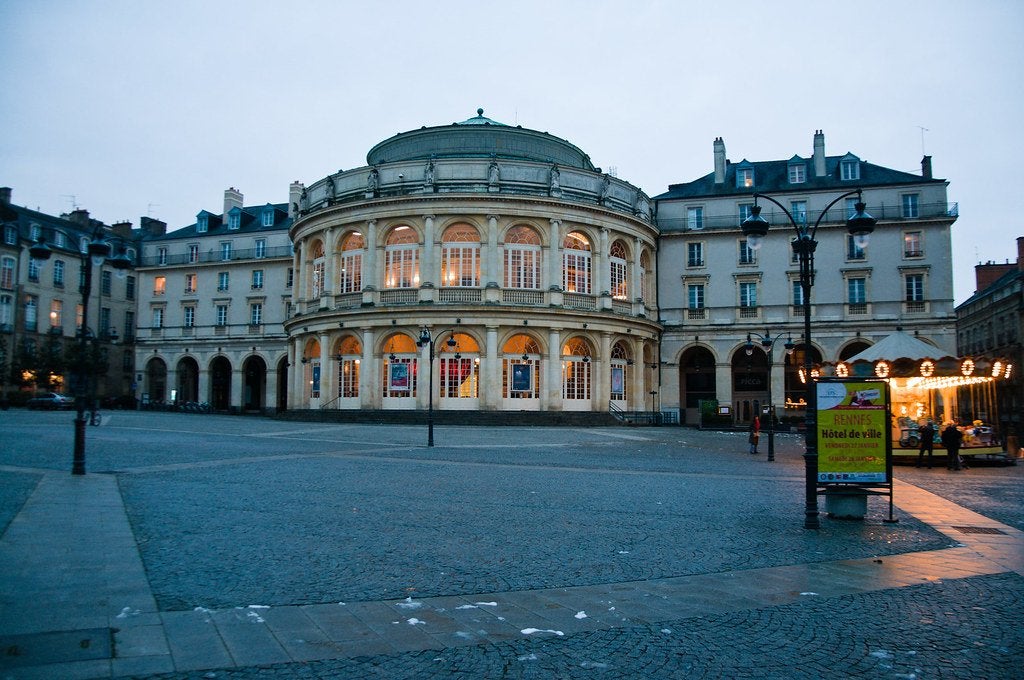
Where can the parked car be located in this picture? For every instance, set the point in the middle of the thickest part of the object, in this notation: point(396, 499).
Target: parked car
point(51, 400)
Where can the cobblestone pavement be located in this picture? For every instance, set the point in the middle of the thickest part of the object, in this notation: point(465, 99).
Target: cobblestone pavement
point(232, 512)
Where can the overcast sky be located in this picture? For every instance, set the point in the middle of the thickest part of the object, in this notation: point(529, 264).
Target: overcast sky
point(132, 108)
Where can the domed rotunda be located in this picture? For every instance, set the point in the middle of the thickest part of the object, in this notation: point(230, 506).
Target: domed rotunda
point(495, 256)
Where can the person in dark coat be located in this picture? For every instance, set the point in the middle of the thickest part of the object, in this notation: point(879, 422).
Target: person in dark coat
point(952, 438)
point(755, 434)
point(927, 433)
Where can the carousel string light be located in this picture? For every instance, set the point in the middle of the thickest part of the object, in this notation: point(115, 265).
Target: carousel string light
point(1009, 370)
point(842, 371)
point(997, 368)
point(967, 367)
point(882, 369)
point(942, 382)
point(927, 368)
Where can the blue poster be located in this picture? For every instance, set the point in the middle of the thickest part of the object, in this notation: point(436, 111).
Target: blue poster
point(399, 374)
point(522, 377)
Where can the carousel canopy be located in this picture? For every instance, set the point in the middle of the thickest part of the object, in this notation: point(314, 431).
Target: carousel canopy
point(900, 345)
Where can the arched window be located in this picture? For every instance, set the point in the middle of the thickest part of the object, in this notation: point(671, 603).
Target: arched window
point(576, 263)
point(460, 256)
point(348, 356)
point(351, 270)
point(617, 264)
point(316, 283)
point(619, 372)
point(460, 368)
point(401, 266)
point(400, 363)
point(576, 369)
point(522, 258)
point(520, 368)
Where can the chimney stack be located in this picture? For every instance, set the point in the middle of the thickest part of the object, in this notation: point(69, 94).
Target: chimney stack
point(294, 196)
point(153, 227)
point(819, 153)
point(79, 216)
point(926, 167)
point(122, 229)
point(5, 195)
point(232, 199)
point(1020, 253)
point(719, 161)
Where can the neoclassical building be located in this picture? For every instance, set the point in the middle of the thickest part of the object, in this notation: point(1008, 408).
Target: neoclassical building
point(531, 270)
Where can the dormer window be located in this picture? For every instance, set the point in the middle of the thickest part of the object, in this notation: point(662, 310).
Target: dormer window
point(797, 173)
point(202, 223)
point(234, 218)
point(35, 231)
point(849, 168)
point(744, 178)
point(268, 217)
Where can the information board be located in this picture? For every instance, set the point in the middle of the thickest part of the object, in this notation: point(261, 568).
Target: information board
point(853, 432)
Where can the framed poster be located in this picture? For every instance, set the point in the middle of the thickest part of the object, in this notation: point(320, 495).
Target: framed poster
point(522, 377)
point(618, 380)
point(398, 374)
point(853, 432)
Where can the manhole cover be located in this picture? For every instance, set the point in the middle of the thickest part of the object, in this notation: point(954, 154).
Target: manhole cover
point(38, 649)
point(979, 530)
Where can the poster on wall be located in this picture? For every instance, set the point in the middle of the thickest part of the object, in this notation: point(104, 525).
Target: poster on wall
point(316, 379)
point(399, 376)
point(853, 432)
point(522, 377)
point(618, 380)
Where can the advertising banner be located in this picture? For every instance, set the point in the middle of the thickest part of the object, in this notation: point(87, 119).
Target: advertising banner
point(522, 377)
point(399, 376)
point(853, 432)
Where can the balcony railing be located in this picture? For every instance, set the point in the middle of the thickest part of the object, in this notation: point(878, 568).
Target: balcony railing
point(215, 255)
point(837, 215)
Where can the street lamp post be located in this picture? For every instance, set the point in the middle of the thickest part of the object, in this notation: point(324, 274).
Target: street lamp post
point(424, 341)
point(97, 252)
point(768, 343)
point(755, 228)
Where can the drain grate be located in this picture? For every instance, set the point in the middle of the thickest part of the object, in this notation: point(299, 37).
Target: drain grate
point(980, 530)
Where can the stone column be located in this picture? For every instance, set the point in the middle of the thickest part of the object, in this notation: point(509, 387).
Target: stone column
point(603, 278)
point(635, 400)
point(269, 397)
point(368, 371)
point(327, 370)
point(723, 383)
point(491, 268)
point(602, 374)
point(237, 380)
point(635, 281)
point(330, 266)
point(298, 278)
point(298, 397)
point(553, 375)
point(493, 390)
point(429, 273)
point(555, 256)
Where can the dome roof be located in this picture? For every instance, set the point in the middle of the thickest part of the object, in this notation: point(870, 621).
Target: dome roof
point(476, 137)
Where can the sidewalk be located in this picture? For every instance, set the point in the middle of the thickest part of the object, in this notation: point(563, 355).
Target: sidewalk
point(76, 602)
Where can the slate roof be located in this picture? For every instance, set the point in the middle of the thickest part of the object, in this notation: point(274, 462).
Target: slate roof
point(773, 177)
point(1002, 282)
point(251, 222)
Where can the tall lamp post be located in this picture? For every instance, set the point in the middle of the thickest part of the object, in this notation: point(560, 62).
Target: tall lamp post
point(755, 228)
point(768, 343)
point(424, 341)
point(96, 254)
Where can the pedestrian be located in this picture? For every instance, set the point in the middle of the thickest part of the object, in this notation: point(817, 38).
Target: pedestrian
point(755, 434)
point(927, 434)
point(952, 437)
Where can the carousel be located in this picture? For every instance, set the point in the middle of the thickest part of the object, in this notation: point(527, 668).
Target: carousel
point(929, 385)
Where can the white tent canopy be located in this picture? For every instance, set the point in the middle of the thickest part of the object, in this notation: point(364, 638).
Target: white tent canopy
point(900, 345)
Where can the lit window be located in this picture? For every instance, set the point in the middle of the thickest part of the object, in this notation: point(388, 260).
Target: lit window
point(7, 273)
point(744, 177)
point(56, 313)
point(912, 244)
point(401, 267)
point(618, 269)
point(522, 258)
point(576, 263)
point(190, 283)
point(159, 285)
point(352, 263)
point(460, 256)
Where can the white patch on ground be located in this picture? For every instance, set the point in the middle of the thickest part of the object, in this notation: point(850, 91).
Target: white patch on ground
point(666, 631)
point(467, 606)
point(416, 622)
point(528, 657)
point(531, 631)
point(254, 617)
point(258, 606)
point(881, 654)
point(128, 611)
point(409, 603)
point(808, 593)
point(486, 604)
point(581, 615)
